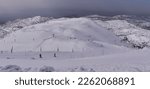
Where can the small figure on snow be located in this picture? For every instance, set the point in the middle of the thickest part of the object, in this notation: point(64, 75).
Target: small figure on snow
point(40, 55)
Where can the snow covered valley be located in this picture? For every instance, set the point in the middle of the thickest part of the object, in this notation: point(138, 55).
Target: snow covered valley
point(85, 44)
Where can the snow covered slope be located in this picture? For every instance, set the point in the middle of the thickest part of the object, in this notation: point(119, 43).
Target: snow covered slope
point(87, 44)
point(21, 23)
point(76, 34)
point(133, 61)
point(130, 33)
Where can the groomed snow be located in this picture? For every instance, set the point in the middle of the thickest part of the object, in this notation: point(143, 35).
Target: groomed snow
point(133, 61)
point(73, 44)
point(76, 34)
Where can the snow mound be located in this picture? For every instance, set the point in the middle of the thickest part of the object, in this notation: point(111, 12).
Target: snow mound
point(130, 33)
point(11, 68)
point(75, 34)
point(47, 69)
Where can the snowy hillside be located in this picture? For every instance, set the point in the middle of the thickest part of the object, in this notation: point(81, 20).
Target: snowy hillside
point(128, 32)
point(92, 43)
point(21, 23)
point(77, 34)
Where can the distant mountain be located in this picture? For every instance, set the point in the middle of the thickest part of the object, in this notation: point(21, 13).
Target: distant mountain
point(21, 23)
point(132, 29)
point(140, 21)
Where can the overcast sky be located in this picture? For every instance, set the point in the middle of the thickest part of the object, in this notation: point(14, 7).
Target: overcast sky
point(26, 8)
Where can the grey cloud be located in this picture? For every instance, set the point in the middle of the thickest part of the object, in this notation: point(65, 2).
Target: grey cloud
point(23, 8)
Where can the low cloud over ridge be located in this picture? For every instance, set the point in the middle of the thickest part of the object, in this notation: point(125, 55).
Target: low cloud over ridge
point(24, 8)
